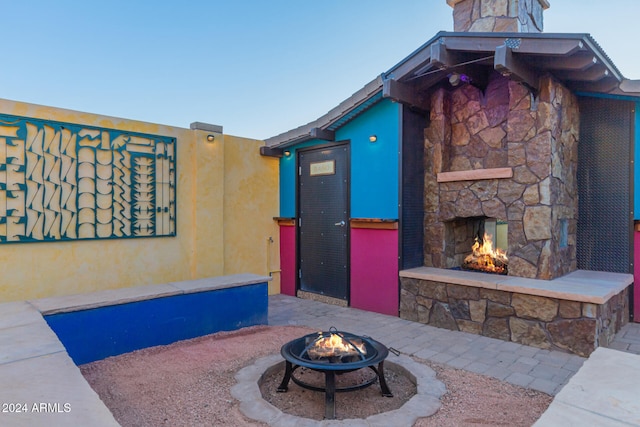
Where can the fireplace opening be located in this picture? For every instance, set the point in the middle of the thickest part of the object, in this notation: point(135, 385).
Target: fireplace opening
point(477, 244)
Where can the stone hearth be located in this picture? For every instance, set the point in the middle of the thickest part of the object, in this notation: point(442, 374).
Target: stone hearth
point(576, 313)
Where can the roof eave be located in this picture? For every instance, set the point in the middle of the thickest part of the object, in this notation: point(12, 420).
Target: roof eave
point(629, 87)
point(420, 63)
point(350, 105)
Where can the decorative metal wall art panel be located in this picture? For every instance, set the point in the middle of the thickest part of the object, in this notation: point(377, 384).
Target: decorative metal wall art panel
point(62, 181)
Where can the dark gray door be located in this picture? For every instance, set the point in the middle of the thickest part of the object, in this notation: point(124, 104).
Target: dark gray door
point(323, 214)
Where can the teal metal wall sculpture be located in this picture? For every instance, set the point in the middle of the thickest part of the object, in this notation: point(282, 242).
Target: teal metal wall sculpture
point(62, 181)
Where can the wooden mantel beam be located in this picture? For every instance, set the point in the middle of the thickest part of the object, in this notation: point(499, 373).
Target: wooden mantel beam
point(475, 175)
point(506, 64)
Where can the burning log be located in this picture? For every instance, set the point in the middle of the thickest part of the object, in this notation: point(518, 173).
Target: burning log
point(334, 346)
point(484, 258)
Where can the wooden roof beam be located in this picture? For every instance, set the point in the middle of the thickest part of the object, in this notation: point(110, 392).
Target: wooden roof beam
point(506, 64)
point(630, 86)
point(401, 92)
point(443, 62)
point(324, 134)
point(418, 61)
point(605, 85)
point(593, 74)
point(441, 57)
point(271, 152)
point(575, 62)
point(536, 46)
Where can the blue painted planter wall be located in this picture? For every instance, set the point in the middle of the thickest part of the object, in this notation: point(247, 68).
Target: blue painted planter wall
point(374, 166)
point(95, 334)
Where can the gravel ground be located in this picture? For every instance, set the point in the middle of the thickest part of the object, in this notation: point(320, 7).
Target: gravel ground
point(477, 400)
point(187, 384)
point(349, 405)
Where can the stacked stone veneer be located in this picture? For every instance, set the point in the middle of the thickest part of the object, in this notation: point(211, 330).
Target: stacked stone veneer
point(498, 15)
point(550, 323)
point(505, 126)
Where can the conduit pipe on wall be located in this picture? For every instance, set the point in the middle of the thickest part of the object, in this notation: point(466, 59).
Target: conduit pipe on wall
point(269, 248)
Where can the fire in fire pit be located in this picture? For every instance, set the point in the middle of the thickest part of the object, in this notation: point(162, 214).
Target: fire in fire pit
point(334, 353)
point(335, 347)
point(485, 258)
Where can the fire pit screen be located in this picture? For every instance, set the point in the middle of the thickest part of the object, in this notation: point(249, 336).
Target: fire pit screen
point(334, 353)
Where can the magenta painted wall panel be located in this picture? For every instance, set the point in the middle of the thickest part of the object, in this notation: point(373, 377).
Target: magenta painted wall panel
point(374, 270)
point(288, 260)
point(636, 277)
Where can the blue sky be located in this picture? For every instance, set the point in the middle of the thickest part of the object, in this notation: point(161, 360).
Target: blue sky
point(256, 67)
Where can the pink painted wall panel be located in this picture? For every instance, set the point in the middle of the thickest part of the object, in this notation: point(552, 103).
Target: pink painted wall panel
point(288, 260)
point(636, 277)
point(374, 270)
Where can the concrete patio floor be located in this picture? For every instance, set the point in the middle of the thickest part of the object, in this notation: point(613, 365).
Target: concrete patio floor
point(39, 378)
point(602, 390)
point(543, 370)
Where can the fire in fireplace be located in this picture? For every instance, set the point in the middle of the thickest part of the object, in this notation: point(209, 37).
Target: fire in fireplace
point(485, 257)
point(477, 244)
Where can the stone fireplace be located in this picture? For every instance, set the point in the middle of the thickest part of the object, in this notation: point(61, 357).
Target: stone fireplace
point(496, 149)
point(504, 153)
point(501, 154)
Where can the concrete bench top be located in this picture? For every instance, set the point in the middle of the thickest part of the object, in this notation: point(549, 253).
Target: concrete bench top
point(595, 287)
point(35, 369)
point(68, 303)
point(41, 386)
point(604, 392)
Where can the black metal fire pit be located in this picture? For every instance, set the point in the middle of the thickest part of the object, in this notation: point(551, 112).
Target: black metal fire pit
point(362, 352)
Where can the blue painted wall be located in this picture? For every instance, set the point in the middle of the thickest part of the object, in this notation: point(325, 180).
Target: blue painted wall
point(90, 335)
point(374, 166)
point(288, 179)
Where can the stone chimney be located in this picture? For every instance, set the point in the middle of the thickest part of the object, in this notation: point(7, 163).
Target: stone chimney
point(500, 16)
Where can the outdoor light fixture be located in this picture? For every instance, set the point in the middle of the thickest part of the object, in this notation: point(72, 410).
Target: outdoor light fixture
point(373, 138)
point(287, 153)
point(456, 78)
point(210, 138)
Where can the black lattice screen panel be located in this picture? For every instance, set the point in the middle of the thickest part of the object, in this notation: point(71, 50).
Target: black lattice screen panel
point(604, 235)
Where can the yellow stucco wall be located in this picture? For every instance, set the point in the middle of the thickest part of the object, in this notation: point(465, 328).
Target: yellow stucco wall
point(251, 236)
point(217, 232)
